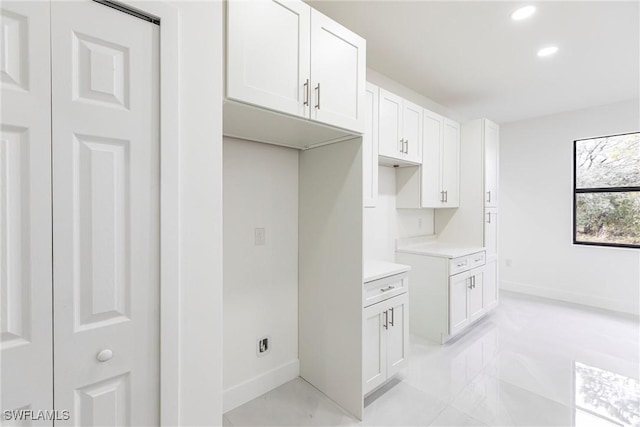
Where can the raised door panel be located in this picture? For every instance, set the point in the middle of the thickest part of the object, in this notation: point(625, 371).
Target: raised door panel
point(338, 73)
point(390, 125)
point(476, 293)
point(431, 178)
point(25, 208)
point(491, 141)
point(268, 54)
point(458, 302)
point(374, 330)
point(491, 232)
point(397, 333)
point(370, 147)
point(412, 131)
point(451, 163)
point(490, 285)
point(105, 214)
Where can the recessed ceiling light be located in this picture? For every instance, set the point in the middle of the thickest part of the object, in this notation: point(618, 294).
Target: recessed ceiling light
point(523, 13)
point(548, 51)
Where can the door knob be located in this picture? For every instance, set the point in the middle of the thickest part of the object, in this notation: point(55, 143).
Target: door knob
point(104, 355)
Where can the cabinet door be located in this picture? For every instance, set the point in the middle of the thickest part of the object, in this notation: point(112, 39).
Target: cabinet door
point(397, 333)
point(431, 179)
point(490, 285)
point(476, 293)
point(370, 147)
point(458, 304)
point(491, 138)
point(390, 125)
point(451, 163)
point(491, 232)
point(338, 73)
point(375, 322)
point(268, 54)
point(412, 131)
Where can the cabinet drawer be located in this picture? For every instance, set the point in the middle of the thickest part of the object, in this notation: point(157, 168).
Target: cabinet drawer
point(385, 288)
point(477, 259)
point(458, 265)
point(467, 262)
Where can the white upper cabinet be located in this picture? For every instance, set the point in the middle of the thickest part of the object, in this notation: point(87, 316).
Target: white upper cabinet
point(285, 57)
point(338, 74)
point(269, 54)
point(390, 125)
point(436, 184)
point(431, 177)
point(412, 131)
point(400, 124)
point(450, 166)
point(491, 138)
point(370, 147)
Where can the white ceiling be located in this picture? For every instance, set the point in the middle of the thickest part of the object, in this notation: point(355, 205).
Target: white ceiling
point(472, 57)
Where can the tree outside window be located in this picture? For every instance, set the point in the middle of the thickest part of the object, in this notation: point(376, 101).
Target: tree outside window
point(607, 191)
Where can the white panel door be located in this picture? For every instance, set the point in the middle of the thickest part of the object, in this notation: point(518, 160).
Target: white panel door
point(390, 125)
point(476, 293)
point(25, 207)
point(412, 131)
point(451, 163)
point(490, 285)
point(431, 178)
point(458, 302)
point(397, 333)
point(374, 328)
point(370, 147)
point(105, 65)
point(338, 74)
point(491, 141)
point(491, 232)
point(268, 54)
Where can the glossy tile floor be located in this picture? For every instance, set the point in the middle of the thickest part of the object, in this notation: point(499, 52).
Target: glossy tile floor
point(531, 362)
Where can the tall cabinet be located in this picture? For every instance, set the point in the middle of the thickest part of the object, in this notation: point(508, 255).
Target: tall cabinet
point(476, 221)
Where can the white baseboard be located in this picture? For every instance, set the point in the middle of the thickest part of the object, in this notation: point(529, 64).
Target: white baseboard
point(259, 385)
point(623, 306)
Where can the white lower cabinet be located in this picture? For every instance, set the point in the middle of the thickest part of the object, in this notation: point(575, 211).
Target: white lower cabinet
point(466, 298)
point(451, 288)
point(386, 339)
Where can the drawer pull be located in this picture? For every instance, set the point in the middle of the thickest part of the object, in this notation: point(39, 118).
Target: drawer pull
point(388, 288)
point(461, 264)
point(478, 259)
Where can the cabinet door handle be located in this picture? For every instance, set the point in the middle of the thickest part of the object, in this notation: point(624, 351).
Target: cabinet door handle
point(318, 97)
point(442, 196)
point(488, 196)
point(406, 150)
point(306, 93)
point(386, 320)
point(388, 288)
point(446, 196)
point(470, 282)
point(392, 316)
point(401, 145)
point(488, 217)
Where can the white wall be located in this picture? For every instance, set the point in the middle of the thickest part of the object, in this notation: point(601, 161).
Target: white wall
point(536, 212)
point(384, 223)
point(260, 282)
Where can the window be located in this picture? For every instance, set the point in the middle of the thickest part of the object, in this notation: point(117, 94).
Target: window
point(606, 199)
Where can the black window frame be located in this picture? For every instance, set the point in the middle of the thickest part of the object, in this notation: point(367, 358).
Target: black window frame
point(577, 191)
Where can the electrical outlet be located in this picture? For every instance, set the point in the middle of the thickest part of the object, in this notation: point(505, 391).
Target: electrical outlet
point(264, 346)
point(420, 223)
point(260, 236)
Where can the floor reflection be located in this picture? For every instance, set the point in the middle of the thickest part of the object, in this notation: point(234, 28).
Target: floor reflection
point(605, 398)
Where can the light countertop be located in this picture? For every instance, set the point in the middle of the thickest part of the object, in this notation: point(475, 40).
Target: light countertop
point(374, 270)
point(428, 245)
